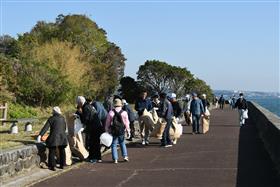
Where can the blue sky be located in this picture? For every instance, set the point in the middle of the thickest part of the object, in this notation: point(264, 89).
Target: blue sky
point(229, 44)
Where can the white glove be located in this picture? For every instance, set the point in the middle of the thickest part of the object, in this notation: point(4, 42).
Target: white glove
point(39, 139)
point(128, 135)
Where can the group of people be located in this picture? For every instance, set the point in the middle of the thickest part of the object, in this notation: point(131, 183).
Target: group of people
point(118, 120)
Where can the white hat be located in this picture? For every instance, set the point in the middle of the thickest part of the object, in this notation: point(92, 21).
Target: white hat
point(124, 102)
point(173, 95)
point(204, 95)
point(188, 96)
point(56, 110)
point(81, 100)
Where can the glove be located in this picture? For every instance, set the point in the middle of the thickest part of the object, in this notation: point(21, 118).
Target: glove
point(128, 135)
point(39, 139)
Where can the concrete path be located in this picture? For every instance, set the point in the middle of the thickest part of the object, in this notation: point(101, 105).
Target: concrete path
point(226, 156)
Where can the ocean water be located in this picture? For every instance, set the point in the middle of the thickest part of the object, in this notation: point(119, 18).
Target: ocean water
point(271, 104)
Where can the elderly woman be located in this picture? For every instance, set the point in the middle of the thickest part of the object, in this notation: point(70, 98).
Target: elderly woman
point(56, 139)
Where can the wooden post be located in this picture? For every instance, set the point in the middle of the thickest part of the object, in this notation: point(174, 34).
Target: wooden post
point(4, 112)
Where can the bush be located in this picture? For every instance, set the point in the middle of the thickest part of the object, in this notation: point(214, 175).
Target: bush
point(16, 111)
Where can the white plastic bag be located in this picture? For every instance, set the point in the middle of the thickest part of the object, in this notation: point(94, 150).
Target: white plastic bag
point(106, 139)
point(245, 114)
point(78, 126)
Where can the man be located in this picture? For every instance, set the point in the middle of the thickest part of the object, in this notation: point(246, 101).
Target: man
point(177, 110)
point(242, 106)
point(205, 103)
point(141, 104)
point(222, 102)
point(166, 112)
point(186, 109)
point(93, 129)
point(196, 110)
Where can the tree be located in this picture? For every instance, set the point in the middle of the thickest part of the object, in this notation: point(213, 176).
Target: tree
point(129, 89)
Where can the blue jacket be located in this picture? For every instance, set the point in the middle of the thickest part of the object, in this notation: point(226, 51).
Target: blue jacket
point(101, 111)
point(166, 109)
point(197, 107)
point(131, 115)
point(142, 104)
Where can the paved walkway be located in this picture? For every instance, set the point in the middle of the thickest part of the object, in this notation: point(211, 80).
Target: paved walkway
point(226, 156)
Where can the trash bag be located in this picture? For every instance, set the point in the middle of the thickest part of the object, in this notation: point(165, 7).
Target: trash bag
point(244, 114)
point(106, 139)
point(78, 126)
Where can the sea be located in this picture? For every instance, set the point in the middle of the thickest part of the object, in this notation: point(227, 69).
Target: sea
point(271, 104)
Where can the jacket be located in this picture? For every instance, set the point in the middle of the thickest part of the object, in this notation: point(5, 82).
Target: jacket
point(165, 109)
point(205, 104)
point(101, 111)
point(142, 104)
point(110, 117)
point(241, 104)
point(131, 115)
point(197, 107)
point(177, 110)
point(57, 136)
point(89, 118)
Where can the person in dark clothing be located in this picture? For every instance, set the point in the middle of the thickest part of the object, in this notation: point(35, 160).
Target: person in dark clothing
point(56, 139)
point(205, 103)
point(143, 103)
point(131, 117)
point(177, 109)
point(101, 112)
point(166, 112)
point(155, 100)
point(221, 102)
point(93, 129)
point(242, 106)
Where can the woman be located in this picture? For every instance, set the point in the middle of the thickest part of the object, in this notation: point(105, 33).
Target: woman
point(56, 139)
point(118, 118)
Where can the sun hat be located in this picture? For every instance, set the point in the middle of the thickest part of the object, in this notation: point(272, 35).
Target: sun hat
point(117, 103)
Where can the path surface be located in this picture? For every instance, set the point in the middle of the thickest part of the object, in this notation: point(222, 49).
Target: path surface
point(226, 156)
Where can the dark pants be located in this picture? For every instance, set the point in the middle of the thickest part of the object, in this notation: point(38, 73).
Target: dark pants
point(221, 106)
point(93, 145)
point(132, 129)
point(195, 124)
point(51, 159)
point(166, 136)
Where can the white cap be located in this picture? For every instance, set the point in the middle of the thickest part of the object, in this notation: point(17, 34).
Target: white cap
point(188, 96)
point(124, 102)
point(56, 110)
point(204, 95)
point(173, 95)
point(81, 100)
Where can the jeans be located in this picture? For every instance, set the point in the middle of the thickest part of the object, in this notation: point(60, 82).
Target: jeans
point(166, 136)
point(120, 140)
point(195, 125)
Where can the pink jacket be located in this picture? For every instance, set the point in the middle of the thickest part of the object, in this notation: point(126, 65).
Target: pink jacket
point(110, 119)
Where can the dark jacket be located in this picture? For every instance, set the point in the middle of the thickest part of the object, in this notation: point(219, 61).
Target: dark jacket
point(131, 115)
point(89, 118)
point(142, 104)
point(241, 104)
point(57, 136)
point(205, 103)
point(165, 109)
point(101, 111)
point(197, 107)
point(177, 110)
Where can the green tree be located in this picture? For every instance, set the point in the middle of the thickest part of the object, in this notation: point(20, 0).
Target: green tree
point(129, 89)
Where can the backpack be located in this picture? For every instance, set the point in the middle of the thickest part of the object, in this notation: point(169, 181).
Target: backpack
point(117, 127)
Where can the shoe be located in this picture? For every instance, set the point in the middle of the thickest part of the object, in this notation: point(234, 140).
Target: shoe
point(162, 145)
point(147, 142)
point(93, 161)
point(126, 159)
point(129, 139)
point(52, 168)
point(115, 161)
point(168, 145)
point(143, 142)
point(99, 161)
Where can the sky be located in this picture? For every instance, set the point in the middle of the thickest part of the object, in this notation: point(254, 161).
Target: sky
point(230, 44)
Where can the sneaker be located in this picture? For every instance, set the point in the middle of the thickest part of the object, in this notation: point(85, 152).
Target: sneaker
point(168, 145)
point(52, 168)
point(115, 161)
point(93, 161)
point(129, 139)
point(126, 159)
point(99, 161)
point(143, 142)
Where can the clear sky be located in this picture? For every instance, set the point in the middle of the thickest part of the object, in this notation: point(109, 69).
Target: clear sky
point(230, 44)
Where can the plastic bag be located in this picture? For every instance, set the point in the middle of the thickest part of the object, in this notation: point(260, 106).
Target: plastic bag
point(245, 114)
point(106, 139)
point(78, 126)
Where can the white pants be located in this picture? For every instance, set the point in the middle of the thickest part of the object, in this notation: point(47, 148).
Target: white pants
point(241, 119)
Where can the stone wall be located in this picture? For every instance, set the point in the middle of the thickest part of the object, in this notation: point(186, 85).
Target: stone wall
point(268, 125)
point(16, 161)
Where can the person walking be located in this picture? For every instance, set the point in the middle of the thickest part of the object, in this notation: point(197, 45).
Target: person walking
point(56, 139)
point(186, 109)
point(242, 106)
point(177, 109)
point(222, 102)
point(93, 129)
point(166, 112)
point(141, 104)
point(205, 103)
point(117, 123)
point(131, 117)
point(196, 110)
